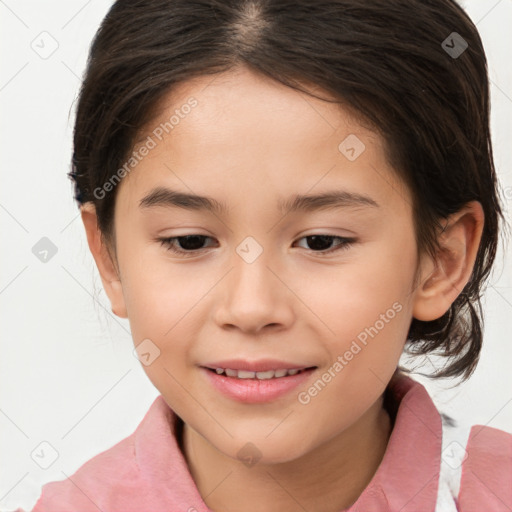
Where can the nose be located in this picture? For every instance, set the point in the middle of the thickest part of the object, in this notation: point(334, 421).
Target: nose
point(254, 297)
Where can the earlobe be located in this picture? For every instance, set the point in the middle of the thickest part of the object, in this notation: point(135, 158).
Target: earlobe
point(107, 268)
point(444, 279)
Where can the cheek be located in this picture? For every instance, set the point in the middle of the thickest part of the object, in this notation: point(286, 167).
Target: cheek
point(161, 302)
point(366, 306)
point(157, 293)
point(353, 295)
point(368, 315)
point(166, 303)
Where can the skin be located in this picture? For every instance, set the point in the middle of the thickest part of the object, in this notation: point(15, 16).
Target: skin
point(249, 142)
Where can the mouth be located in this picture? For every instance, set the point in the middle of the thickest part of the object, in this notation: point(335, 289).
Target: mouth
point(257, 387)
point(264, 375)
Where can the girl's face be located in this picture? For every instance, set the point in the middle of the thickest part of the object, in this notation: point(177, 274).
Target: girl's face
point(254, 285)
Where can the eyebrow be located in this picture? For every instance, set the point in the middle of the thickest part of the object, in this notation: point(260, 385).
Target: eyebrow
point(165, 197)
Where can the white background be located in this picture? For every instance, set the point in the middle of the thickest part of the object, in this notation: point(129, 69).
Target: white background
point(68, 375)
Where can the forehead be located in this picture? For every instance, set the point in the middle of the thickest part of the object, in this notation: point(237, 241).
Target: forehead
point(247, 129)
point(252, 107)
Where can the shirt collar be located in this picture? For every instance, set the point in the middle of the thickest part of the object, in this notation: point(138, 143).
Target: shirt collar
point(161, 461)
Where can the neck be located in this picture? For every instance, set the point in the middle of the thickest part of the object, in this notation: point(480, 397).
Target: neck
point(329, 478)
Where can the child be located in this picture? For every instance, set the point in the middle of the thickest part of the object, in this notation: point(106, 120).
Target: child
point(262, 128)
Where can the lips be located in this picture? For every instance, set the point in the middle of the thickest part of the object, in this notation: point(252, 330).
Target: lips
point(256, 390)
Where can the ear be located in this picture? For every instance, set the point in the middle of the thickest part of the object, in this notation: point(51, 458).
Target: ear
point(106, 264)
point(444, 278)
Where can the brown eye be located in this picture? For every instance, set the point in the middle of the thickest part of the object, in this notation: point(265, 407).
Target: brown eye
point(184, 244)
point(322, 244)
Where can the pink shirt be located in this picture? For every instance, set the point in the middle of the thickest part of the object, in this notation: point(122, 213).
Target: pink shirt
point(148, 472)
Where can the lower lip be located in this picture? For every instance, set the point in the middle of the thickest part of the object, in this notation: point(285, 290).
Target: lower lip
point(253, 390)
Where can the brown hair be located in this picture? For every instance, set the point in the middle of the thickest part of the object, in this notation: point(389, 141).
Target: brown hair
point(397, 63)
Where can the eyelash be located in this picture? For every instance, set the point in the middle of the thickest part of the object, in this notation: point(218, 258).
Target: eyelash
point(168, 243)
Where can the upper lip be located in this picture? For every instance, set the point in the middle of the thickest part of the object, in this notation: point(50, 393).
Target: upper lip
point(262, 365)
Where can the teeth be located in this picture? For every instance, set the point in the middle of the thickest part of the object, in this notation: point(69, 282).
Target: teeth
point(265, 375)
point(244, 374)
